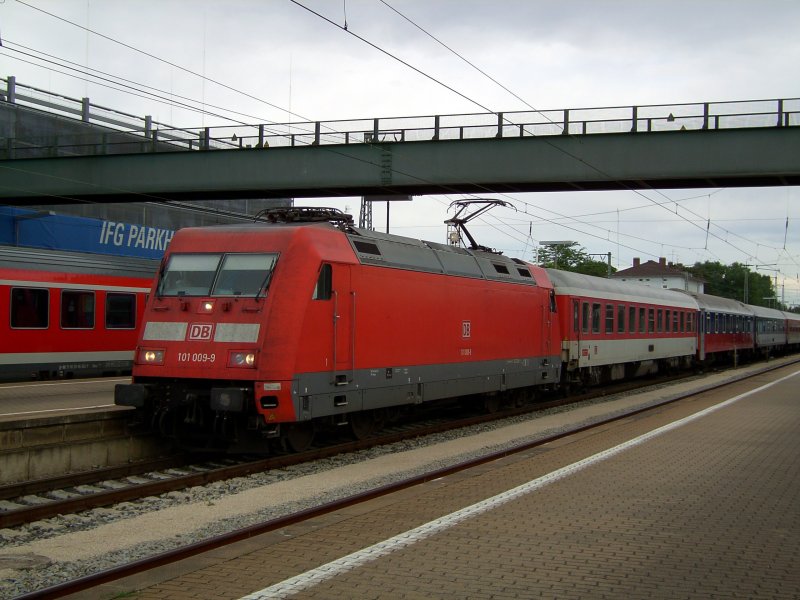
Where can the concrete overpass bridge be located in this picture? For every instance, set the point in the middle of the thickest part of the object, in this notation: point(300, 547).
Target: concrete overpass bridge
point(709, 144)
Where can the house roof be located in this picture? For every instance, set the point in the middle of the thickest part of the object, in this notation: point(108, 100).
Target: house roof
point(652, 269)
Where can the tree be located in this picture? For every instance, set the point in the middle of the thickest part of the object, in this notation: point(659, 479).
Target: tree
point(728, 281)
point(572, 257)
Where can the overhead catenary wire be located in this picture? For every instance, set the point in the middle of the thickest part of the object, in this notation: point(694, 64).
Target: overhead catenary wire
point(516, 200)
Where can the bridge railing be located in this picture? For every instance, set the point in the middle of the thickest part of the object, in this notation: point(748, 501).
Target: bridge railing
point(125, 133)
point(580, 121)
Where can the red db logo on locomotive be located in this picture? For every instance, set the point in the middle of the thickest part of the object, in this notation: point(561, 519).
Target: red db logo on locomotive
point(201, 331)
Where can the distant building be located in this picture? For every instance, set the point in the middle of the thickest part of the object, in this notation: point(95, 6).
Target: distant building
point(660, 274)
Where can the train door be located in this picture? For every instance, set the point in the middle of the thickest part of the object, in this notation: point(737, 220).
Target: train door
point(343, 324)
point(701, 335)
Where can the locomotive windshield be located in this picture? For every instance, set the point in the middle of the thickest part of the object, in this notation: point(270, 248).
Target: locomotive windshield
point(216, 274)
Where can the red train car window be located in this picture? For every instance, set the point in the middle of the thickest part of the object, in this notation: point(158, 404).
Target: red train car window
point(651, 320)
point(77, 310)
point(120, 311)
point(609, 318)
point(596, 318)
point(683, 323)
point(660, 321)
point(621, 319)
point(632, 319)
point(642, 320)
point(30, 308)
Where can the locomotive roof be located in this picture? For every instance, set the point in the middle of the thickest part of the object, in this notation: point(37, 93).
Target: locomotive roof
point(384, 249)
point(394, 251)
point(578, 284)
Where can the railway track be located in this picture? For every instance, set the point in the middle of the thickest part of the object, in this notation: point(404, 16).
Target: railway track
point(27, 502)
point(139, 566)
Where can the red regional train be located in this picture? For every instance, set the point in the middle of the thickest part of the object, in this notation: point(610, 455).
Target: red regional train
point(260, 333)
point(69, 314)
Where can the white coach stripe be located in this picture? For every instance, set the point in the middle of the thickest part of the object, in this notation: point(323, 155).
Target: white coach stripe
point(311, 578)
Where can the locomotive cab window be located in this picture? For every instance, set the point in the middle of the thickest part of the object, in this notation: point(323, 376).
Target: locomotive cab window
point(77, 310)
point(244, 274)
point(189, 275)
point(29, 308)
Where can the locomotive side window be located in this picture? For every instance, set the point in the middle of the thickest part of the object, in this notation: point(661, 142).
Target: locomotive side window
point(324, 287)
point(244, 274)
point(120, 311)
point(29, 307)
point(77, 310)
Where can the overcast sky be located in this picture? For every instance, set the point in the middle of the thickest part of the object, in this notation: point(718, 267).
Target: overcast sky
point(281, 60)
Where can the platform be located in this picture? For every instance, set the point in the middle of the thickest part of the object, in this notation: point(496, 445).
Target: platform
point(706, 508)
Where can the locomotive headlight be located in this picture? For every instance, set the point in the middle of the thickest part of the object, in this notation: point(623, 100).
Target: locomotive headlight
point(245, 360)
point(151, 357)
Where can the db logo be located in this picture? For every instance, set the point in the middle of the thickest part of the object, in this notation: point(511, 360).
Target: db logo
point(201, 331)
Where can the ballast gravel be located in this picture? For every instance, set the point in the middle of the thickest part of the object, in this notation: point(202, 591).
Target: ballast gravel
point(48, 552)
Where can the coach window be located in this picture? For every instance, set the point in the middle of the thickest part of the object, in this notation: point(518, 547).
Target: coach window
point(596, 318)
point(324, 288)
point(621, 319)
point(29, 308)
point(77, 310)
point(642, 320)
point(667, 319)
point(632, 319)
point(675, 322)
point(609, 318)
point(651, 320)
point(682, 323)
point(120, 311)
point(585, 317)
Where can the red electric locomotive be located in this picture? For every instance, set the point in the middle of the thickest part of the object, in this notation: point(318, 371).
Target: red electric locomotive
point(68, 314)
point(274, 331)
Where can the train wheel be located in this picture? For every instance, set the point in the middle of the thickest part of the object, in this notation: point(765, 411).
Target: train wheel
point(363, 424)
point(492, 403)
point(299, 437)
